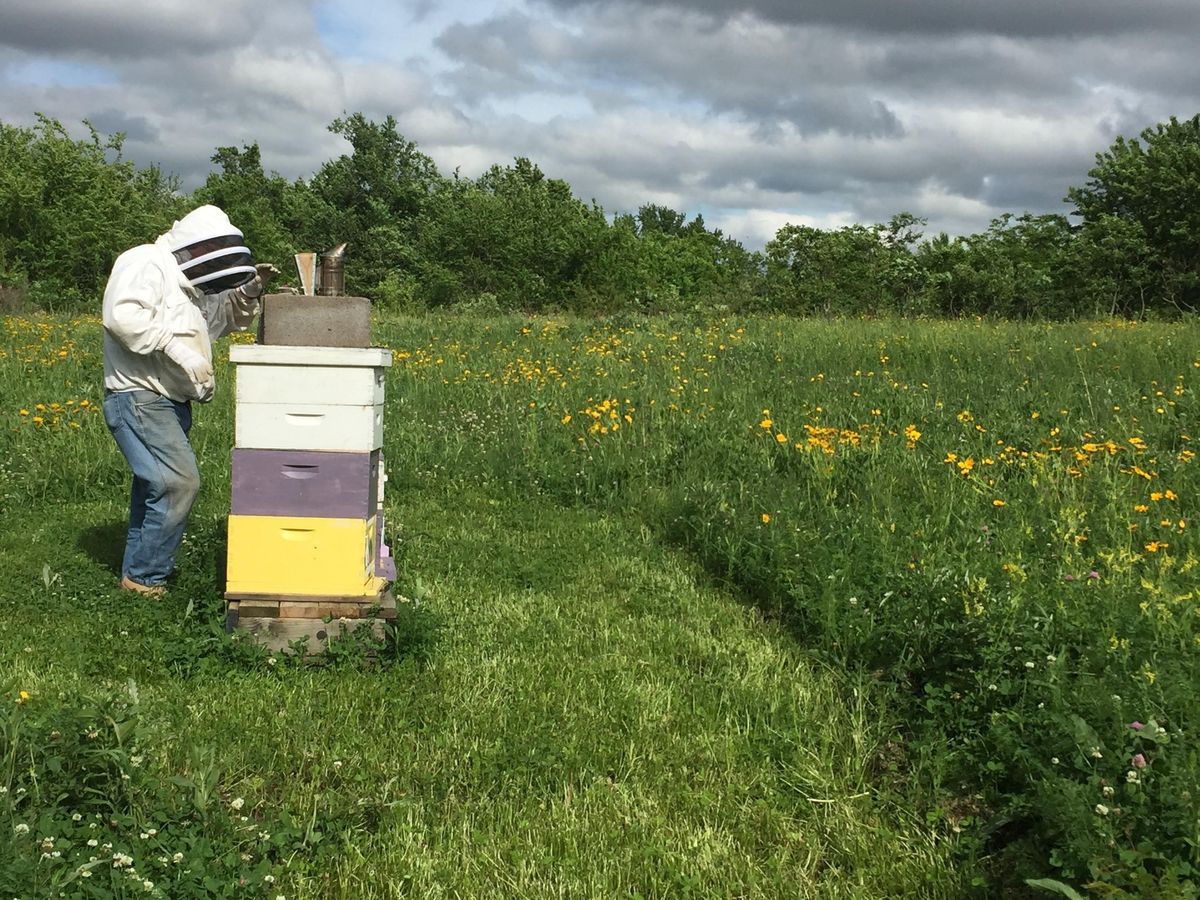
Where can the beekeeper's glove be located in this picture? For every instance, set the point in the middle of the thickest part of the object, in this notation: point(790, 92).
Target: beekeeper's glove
point(263, 273)
point(246, 298)
point(198, 369)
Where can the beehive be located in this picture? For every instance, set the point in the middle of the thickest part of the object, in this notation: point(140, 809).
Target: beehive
point(306, 524)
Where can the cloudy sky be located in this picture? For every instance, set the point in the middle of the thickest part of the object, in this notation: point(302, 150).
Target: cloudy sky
point(751, 112)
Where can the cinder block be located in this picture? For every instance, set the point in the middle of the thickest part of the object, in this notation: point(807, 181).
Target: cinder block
point(296, 320)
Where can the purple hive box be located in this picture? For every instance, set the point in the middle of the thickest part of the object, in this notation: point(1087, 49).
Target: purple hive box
point(305, 483)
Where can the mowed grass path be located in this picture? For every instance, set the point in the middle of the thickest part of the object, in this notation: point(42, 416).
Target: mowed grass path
point(575, 712)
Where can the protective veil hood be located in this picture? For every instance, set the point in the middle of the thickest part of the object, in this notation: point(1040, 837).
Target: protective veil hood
point(210, 251)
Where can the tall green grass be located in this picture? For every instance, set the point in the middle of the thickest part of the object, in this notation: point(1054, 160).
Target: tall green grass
point(749, 607)
point(571, 706)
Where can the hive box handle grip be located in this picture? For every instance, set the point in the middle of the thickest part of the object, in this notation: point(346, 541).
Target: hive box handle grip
point(300, 471)
point(305, 418)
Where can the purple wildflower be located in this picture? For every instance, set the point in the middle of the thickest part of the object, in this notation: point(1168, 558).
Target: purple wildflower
point(1139, 761)
point(1136, 726)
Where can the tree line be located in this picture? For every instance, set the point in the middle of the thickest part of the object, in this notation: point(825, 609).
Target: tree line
point(514, 239)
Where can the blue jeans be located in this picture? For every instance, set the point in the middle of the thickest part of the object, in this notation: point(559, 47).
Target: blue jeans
point(152, 432)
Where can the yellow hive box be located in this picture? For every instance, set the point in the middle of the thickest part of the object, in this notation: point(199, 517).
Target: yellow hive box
point(301, 555)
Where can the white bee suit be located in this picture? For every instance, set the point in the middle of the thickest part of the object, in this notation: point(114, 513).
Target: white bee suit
point(162, 310)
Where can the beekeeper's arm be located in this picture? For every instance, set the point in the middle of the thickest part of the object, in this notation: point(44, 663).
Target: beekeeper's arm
point(234, 310)
point(135, 314)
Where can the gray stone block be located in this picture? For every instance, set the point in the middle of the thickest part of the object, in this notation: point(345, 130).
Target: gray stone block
point(296, 320)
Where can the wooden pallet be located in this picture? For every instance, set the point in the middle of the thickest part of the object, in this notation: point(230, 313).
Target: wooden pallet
point(275, 621)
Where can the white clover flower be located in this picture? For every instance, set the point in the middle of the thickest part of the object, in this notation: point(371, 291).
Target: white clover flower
point(1096, 754)
point(269, 879)
point(1108, 790)
point(1101, 809)
point(1051, 658)
point(1030, 664)
point(21, 828)
point(76, 817)
point(93, 843)
point(147, 886)
point(177, 858)
point(238, 802)
point(1054, 760)
point(1132, 777)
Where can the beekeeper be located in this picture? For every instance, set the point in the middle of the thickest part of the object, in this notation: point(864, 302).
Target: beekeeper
point(164, 304)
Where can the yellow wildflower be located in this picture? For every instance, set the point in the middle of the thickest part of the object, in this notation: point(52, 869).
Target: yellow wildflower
point(997, 502)
point(766, 519)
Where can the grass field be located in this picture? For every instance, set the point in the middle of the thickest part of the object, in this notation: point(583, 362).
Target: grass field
point(753, 608)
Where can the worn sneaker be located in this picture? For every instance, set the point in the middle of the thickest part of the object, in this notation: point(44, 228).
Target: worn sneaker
point(146, 590)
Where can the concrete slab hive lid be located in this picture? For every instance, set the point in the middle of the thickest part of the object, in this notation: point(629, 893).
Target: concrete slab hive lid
point(339, 321)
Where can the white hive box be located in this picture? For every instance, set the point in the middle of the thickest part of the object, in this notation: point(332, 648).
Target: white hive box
point(309, 398)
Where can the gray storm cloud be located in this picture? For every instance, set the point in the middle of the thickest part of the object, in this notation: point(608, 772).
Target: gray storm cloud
point(753, 112)
point(1018, 18)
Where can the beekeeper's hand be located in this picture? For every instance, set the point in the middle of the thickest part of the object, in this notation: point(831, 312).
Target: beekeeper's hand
point(256, 287)
point(198, 369)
